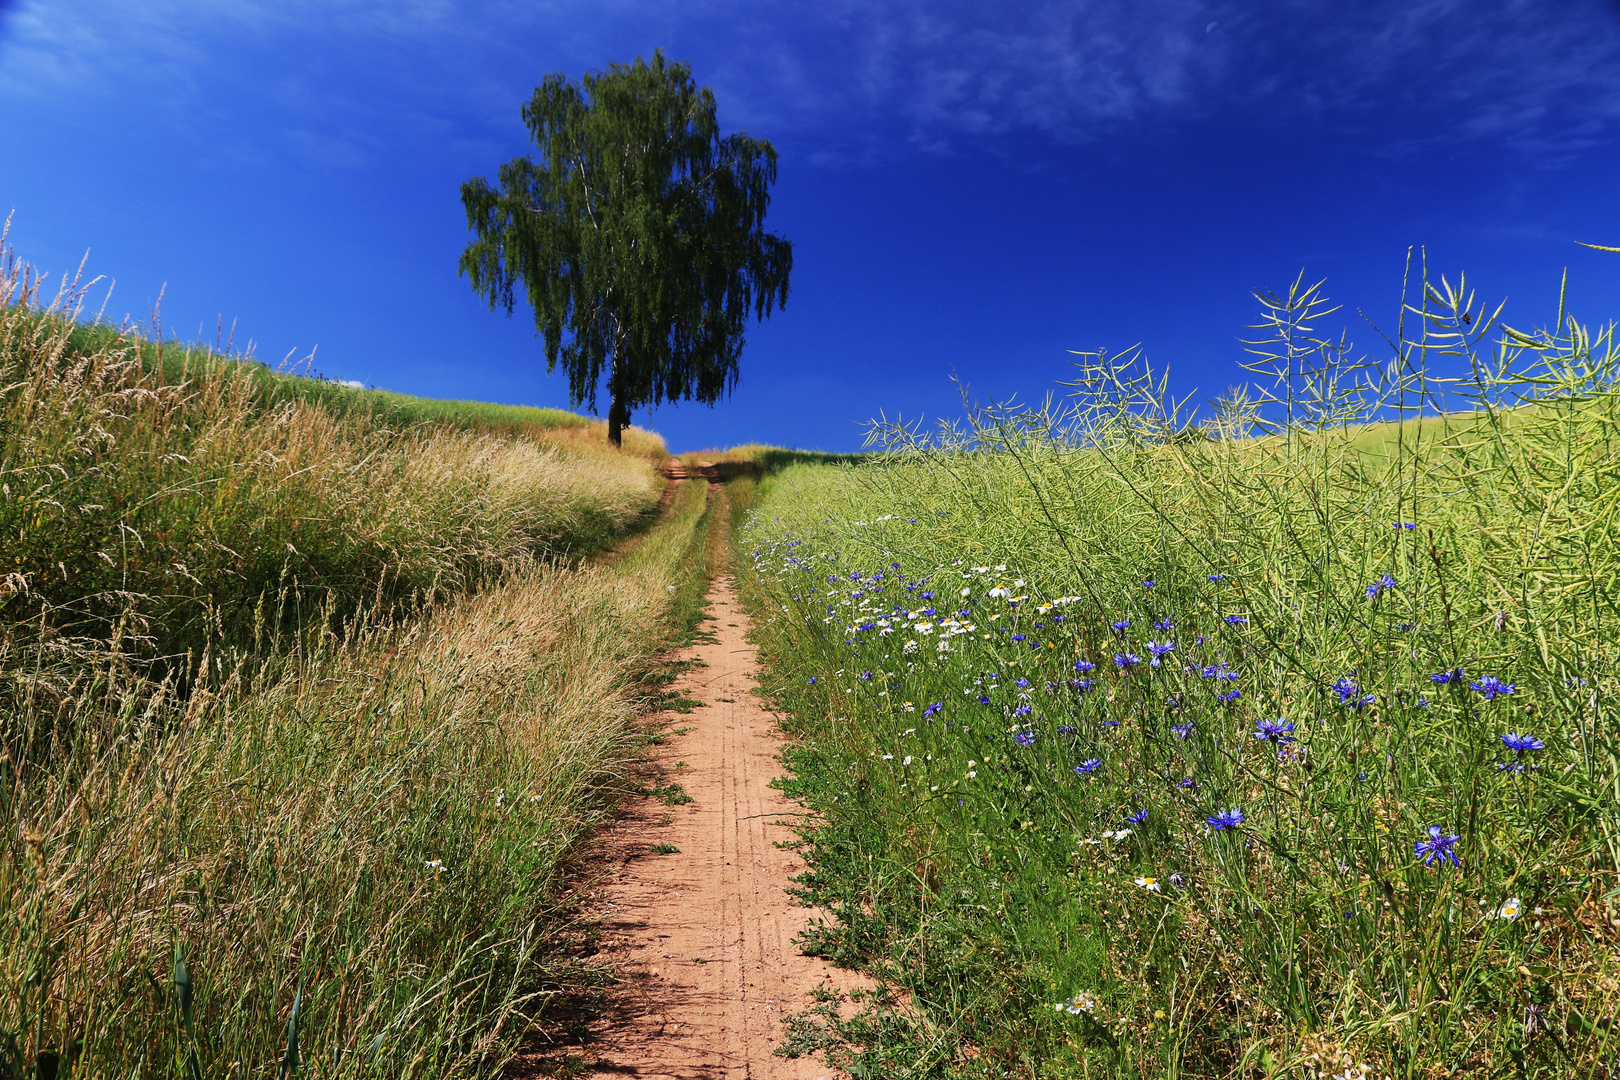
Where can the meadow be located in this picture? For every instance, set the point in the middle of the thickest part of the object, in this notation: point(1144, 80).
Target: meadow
point(1278, 741)
point(308, 696)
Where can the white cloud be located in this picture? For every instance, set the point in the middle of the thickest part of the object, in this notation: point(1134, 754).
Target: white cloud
point(846, 78)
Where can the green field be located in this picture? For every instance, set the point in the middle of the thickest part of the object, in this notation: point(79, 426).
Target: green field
point(1284, 750)
point(1279, 742)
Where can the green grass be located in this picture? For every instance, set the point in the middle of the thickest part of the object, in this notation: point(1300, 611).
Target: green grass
point(960, 632)
point(306, 702)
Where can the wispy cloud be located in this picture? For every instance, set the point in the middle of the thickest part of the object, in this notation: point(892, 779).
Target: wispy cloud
point(845, 78)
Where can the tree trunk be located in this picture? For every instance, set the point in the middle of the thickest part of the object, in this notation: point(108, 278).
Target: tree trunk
point(618, 419)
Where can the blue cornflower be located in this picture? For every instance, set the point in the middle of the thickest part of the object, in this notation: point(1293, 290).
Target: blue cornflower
point(1183, 731)
point(1164, 624)
point(1237, 620)
point(931, 612)
point(1440, 678)
point(1160, 651)
point(1437, 846)
point(1490, 687)
point(1081, 686)
point(1521, 743)
point(1138, 817)
point(1186, 782)
point(1088, 766)
point(1024, 738)
point(1148, 584)
point(1407, 525)
point(1018, 637)
point(1277, 731)
point(1122, 626)
point(812, 681)
point(1217, 577)
point(1109, 723)
point(1023, 684)
point(1126, 660)
point(866, 676)
point(1230, 695)
point(1022, 710)
point(983, 700)
point(927, 596)
point(1066, 729)
point(1385, 582)
point(1346, 689)
point(933, 709)
point(1226, 819)
point(1083, 665)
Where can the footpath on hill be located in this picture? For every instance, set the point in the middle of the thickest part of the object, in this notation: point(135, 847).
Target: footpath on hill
point(702, 938)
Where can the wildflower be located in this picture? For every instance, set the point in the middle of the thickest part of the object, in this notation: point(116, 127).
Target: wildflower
point(983, 700)
point(1138, 817)
point(1081, 686)
point(1385, 582)
point(1151, 884)
point(1148, 584)
point(1278, 731)
point(1217, 577)
point(1024, 738)
point(1521, 743)
point(1440, 678)
point(1080, 1003)
point(1230, 695)
point(1490, 687)
point(1511, 908)
point(435, 865)
point(1225, 819)
point(1117, 834)
point(907, 760)
point(1126, 660)
point(1237, 620)
point(1437, 846)
point(1088, 766)
point(1022, 710)
point(1164, 624)
point(1122, 626)
point(1000, 592)
point(812, 681)
point(1183, 731)
point(1160, 651)
point(1407, 525)
point(1178, 880)
point(933, 709)
point(1186, 782)
point(867, 676)
point(1083, 665)
point(1066, 729)
point(1022, 684)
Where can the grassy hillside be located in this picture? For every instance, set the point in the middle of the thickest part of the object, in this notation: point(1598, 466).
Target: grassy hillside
point(174, 499)
point(1285, 752)
point(305, 699)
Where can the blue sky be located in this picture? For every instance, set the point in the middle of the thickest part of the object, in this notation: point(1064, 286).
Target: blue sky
point(969, 187)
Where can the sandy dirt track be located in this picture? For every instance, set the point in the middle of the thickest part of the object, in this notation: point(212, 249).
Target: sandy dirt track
point(703, 939)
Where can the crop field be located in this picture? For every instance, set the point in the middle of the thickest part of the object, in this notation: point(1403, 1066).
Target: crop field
point(1280, 745)
point(307, 697)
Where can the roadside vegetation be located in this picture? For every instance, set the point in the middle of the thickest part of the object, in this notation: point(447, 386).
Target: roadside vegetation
point(1277, 744)
point(306, 696)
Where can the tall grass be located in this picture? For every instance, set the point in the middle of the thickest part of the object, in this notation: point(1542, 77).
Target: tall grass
point(303, 713)
point(172, 503)
point(1037, 661)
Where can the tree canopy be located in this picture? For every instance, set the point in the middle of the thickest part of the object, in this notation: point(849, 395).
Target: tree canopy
point(637, 234)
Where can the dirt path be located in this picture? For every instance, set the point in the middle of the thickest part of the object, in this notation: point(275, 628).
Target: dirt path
point(703, 939)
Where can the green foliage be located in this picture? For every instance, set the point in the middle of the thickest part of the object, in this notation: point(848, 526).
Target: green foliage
point(638, 236)
point(929, 618)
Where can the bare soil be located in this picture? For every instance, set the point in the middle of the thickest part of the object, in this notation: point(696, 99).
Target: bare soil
point(702, 940)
